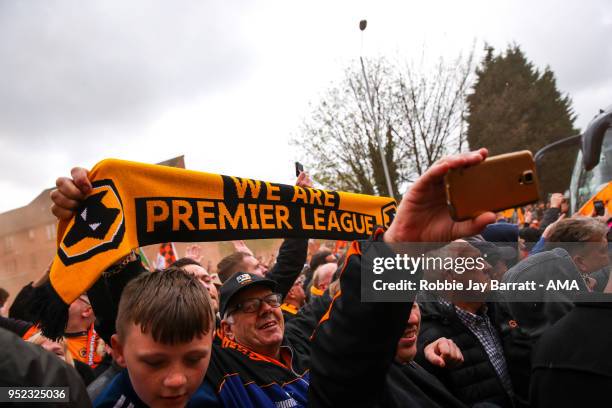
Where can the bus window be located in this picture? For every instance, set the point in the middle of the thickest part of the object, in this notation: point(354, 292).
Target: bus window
point(585, 184)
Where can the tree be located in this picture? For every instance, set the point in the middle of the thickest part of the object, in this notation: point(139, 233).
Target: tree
point(419, 118)
point(432, 109)
point(514, 107)
point(338, 140)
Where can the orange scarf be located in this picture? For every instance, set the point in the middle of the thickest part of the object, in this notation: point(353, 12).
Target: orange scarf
point(134, 204)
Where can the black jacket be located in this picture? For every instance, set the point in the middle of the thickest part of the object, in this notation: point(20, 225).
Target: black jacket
point(19, 327)
point(289, 264)
point(523, 322)
point(355, 345)
point(474, 381)
point(27, 365)
point(352, 357)
point(22, 305)
point(411, 385)
point(550, 215)
point(572, 364)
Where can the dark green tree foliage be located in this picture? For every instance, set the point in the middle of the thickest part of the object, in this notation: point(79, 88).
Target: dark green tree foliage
point(514, 107)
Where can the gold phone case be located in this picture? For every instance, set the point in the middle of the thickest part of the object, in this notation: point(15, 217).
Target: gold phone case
point(500, 182)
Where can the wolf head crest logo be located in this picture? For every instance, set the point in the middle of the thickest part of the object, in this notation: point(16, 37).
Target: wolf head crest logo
point(94, 220)
point(97, 226)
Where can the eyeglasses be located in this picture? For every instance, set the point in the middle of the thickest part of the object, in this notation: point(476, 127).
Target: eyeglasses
point(253, 305)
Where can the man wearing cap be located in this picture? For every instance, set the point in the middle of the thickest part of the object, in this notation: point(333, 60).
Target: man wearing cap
point(250, 312)
point(259, 361)
point(498, 256)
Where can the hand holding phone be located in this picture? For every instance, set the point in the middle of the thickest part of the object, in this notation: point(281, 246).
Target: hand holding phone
point(298, 168)
point(498, 183)
point(600, 209)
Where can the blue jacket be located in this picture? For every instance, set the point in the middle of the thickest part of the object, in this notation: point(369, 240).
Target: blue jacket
point(121, 394)
point(236, 377)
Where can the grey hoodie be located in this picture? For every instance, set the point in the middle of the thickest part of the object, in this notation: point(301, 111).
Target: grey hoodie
point(524, 316)
point(534, 311)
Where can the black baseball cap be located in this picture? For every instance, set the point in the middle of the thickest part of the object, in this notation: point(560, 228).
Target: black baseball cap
point(493, 252)
point(237, 283)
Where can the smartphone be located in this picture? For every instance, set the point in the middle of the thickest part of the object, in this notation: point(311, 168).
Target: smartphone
point(599, 207)
point(498, 183)
point(298, 168)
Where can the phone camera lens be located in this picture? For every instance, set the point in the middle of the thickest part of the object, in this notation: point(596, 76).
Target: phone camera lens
point(527, 177)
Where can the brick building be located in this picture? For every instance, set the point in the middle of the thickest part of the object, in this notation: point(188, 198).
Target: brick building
point(27, 242)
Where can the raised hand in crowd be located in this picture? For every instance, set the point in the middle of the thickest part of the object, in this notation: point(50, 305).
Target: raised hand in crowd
point(241, 246)
point(423, 215)
point(70, 192)
point(557, 205)
point(603, 218)
point(550, 228)
point(270, 259)
point(556, 199)
point(528, 217)
point(194, 252)
point(304, 180)
point(443, 353)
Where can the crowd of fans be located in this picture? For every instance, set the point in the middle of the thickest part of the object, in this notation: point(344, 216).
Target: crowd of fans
point(295, 332)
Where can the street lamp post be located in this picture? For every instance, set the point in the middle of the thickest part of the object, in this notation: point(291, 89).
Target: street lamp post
point(362, 26)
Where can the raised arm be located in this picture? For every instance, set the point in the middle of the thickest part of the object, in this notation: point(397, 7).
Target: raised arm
point(291, 255)
point(355, 341)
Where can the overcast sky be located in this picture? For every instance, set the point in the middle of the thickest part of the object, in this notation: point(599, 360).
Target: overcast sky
point(229, 83)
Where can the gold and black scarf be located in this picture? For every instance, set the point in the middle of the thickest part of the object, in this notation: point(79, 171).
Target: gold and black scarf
point(134, 204)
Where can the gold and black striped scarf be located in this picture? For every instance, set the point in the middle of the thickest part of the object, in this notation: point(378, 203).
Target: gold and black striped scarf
point(134, 204)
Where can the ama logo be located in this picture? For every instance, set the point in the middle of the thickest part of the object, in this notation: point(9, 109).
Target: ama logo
point(97, 226)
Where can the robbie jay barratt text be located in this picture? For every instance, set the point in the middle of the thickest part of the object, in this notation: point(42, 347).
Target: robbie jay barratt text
point(446, 285)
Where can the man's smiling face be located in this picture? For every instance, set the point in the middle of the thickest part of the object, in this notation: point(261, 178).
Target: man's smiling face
point(261, 331)
point(407, 344)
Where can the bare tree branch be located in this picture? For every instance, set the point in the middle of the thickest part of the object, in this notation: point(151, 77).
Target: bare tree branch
point(420, 114)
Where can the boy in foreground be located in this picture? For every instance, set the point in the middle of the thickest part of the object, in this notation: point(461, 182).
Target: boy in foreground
point(165, 327)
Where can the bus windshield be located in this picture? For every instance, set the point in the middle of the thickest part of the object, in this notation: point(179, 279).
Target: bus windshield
point(585, 184)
